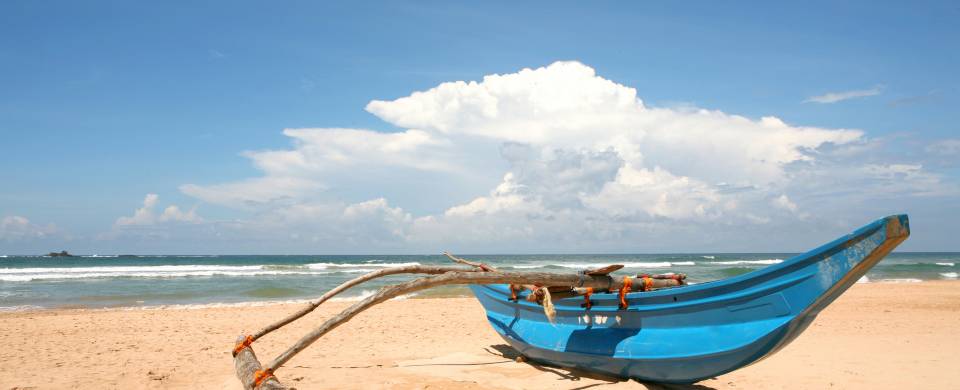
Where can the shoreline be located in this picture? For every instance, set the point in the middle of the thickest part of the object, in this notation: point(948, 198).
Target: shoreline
point(865, 339)
point(354, 298)
point(26, 284)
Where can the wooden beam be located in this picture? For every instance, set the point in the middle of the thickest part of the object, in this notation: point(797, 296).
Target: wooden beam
point(247, 365)
point(311, 306)
point(246, 362)
point(385, 293)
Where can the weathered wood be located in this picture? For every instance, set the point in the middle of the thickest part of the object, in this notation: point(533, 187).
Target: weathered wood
point(410, 269)
point(539, 282)
point(536, 296)
point(604, 270)
point(657, 284)
point(477, 264)
point(387, 292)
point(247, 365)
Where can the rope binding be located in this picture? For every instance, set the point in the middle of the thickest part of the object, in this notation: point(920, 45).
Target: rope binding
point(242, 345)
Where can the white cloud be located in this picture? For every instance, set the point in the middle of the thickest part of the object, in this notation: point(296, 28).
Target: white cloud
point(554, 157)
point(145, 216)
point(834, 97)
point(255, 192)
point(945, 147)
point(174, 214)
point(785, 203)
point(16, 228)
point(323, 150)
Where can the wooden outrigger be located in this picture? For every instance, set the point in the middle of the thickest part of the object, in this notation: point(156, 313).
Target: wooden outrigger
point(674, 335)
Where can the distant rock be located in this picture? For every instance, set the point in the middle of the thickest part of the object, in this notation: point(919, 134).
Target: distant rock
point(60, 254)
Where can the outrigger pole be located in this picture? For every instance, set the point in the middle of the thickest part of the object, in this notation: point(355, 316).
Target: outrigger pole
point(253, 375)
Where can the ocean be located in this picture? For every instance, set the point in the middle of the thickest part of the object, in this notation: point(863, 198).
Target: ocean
point(41, 282)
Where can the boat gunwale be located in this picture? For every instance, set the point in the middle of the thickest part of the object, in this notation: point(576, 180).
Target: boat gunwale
point(695, 292)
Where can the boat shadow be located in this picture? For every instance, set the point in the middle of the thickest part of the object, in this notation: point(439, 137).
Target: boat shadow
point(507, 352)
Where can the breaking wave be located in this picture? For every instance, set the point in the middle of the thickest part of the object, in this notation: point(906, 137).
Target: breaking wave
point(900, 280)
point(659, 264)
point(741, 262)
point(179, 271)
point(357, 265)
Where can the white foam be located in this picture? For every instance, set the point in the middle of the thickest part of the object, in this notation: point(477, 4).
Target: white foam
point(94, 275)
point(900, 280)
point(183, 256)
point(662, 264)
point(126, 269)
point(20, 308)
point(175, 271)
point(709, 257)
point(363, 294)
point(195, 306)
point(626, 265)
point(155, 271)
point(946, 264)
point(863, 279)
point(949, 275)
point(358, 265)
point(739, 262)
point(198, 306)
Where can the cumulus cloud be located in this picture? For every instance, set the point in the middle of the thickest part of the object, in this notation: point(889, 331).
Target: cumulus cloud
point(16, 228)
point(551, 156)
point(145, 216)
point(834, 97)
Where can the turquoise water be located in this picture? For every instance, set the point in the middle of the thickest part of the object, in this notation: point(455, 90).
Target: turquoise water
point(36, 282)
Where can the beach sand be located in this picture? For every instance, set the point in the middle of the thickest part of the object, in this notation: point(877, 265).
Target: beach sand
point(875, 336)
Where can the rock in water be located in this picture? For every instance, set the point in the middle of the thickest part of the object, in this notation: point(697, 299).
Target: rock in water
point(59, 254)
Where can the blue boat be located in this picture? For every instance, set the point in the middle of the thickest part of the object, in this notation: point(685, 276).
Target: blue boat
point(690, 333)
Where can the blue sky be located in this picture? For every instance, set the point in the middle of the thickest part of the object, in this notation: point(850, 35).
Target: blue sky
point(103, 103)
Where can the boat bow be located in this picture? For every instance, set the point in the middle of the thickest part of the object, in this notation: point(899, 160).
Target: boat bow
point(690, 333)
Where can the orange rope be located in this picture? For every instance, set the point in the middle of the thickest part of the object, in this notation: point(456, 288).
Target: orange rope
point(513, 292)
point(586, 298)
point(627, 283)
point(243, 344)
point(260, 376)
point(647, 283)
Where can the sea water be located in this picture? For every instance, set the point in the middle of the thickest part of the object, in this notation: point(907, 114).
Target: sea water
point(37, 282)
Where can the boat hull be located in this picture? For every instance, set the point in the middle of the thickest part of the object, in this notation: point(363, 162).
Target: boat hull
point(690, 333)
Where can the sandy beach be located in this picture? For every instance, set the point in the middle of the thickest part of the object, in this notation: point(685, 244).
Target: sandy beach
point(878, 335)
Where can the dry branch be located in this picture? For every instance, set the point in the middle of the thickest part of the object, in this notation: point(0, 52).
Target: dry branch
point(246, 364)
point(477, 264)
point(539, 282)
point(411, 269)
point(385, 293)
